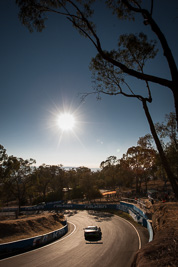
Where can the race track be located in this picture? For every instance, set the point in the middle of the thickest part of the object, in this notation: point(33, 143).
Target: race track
point(120, 241)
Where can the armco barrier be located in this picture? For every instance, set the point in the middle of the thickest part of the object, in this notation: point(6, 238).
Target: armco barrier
point(137, 214)
point(150, 230)
point(8, 249)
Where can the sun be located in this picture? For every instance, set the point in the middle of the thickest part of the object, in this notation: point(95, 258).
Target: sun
point(66, 121)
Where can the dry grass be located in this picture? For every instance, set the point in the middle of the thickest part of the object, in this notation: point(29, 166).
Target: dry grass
point(12, 230)
point(163, 250)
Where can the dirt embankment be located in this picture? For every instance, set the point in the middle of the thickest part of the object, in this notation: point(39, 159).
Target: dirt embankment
point(12, 230)
point(163, 250)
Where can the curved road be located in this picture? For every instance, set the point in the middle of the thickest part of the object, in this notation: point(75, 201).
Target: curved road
point(120, 241)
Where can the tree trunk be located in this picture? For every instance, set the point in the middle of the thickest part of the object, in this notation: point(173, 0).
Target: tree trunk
point(172, 178)
point(146, 184)
point(136, 184)
point(175, 93)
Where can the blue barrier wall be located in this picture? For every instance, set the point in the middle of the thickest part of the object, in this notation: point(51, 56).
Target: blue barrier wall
point(150, 230)
point(137, 214)
point(15, 247)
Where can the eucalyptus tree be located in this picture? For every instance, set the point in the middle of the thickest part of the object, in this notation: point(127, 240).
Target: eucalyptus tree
point(33, 14)
point(75, 191)
point(85, 181)
point(42, 181)
point(110, 172)
point(111, 68)
point(133, 157)
point(168, 135)
point(3, 158)
point(126, 175)
point(167, 130)
point(111, 81)
point(87, 184)
point(17, 177)
point(141, 160)
point(99, 179)
point(3, 155)
point(57, 181)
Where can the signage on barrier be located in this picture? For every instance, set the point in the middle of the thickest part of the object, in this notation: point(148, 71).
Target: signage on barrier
point(135, 212)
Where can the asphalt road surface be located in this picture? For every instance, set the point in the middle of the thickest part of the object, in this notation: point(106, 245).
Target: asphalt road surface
point(120, 241)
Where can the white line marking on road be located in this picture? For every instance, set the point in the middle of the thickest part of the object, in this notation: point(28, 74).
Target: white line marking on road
point(139, 239)
point(36, 249)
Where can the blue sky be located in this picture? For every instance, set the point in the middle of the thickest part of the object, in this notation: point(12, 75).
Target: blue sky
point(42, 75)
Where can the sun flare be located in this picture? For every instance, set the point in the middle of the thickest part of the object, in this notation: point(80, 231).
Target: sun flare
point(66, 121)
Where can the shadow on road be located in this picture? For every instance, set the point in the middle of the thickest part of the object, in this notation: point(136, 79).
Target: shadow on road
point(100, 216)
point(69, 213)
point(98, 243)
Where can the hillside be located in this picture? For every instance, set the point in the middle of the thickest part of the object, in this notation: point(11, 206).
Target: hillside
point(163, 250)
point(26, 227)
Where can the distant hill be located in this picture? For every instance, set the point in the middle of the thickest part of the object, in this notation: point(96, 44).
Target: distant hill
point(67, 168)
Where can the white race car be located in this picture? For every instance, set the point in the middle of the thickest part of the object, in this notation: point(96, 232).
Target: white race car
point(92, 233)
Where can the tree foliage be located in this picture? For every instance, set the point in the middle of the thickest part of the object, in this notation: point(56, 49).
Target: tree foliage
point(112, 67)
point(167, 133)
point(141, 161)
point(33, 14)
point(16, 179)
point(21, 181)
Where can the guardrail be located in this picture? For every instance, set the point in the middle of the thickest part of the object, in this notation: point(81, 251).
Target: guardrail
point(137, 214)
point(12, 248)
point(135, 201)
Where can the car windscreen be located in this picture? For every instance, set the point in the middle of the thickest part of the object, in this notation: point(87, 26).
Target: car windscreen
point(92, 228)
